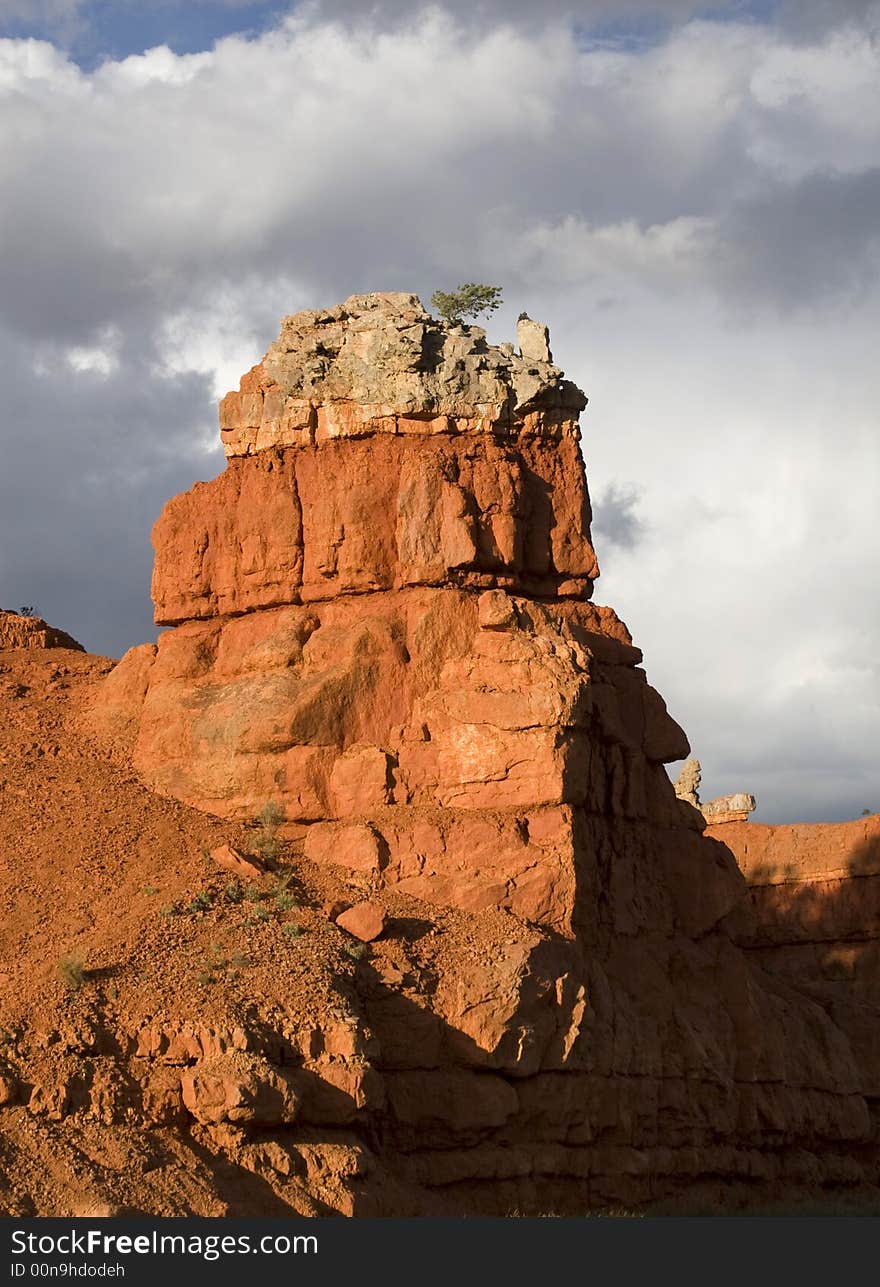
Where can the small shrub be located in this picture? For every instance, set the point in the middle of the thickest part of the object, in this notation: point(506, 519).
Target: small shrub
point(266, 843)
point(271, 814)
point(357, 951)
point(259, 915)
point(292, 931)
point(284, 901)
point(218, 964)
point(72, 971)
point(201, 903)
point(150, 890)
point(469, 300)
point(170, 909)
point(233, 892)
point(254, 894)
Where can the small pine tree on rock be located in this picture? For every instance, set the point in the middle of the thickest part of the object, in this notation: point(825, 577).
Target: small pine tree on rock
point(468, 300)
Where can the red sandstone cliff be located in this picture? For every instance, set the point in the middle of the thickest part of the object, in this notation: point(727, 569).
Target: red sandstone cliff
point(814, 918)
point(381, 621)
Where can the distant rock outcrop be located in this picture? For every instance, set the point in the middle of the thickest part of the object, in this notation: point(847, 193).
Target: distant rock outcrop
point(724, 808)
point(18, 630)
point(687, 784)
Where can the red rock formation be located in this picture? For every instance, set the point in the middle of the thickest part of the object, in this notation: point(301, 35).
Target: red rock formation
point(365, 921)
point(382, 617)
point(382, 621)
point(815, 917)
point(19, 631)
point(374, 449)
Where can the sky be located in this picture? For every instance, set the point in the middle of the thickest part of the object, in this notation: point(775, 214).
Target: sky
point(689, 195)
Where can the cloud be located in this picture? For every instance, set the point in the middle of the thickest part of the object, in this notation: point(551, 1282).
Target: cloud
point(615, 517)
point(47, 12)
point(694, 215)
point(803, 20)
point(808, 20)
point(97, 449)
point(528, 13)
point(100, 359)
point(806, 242)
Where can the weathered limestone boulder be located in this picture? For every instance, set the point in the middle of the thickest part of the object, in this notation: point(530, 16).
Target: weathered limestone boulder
point(729, 808)
point(724, 808)
point(533, 340)
point(687, 784)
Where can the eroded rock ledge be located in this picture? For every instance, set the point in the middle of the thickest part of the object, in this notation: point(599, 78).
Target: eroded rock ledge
point(379, 364)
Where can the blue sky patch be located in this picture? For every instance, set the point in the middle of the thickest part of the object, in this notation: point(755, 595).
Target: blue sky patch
point(113, 29)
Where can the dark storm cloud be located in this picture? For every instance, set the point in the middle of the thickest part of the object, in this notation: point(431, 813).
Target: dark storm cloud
point(803, 19)
point(810, 19)
point(805, 242)
point(89, 462)
point(155, 188)
point(792, 777)
point(522, 12)
point(616, 519)
point(45, 13)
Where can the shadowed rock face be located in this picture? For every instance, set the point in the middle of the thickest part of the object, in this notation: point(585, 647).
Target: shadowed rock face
point(814, 892)
point(382, 621)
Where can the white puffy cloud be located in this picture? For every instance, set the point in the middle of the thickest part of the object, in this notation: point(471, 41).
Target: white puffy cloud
point(694, 215)
point(100, 359)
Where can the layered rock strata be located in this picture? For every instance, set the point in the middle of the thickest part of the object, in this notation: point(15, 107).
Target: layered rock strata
point(814, 891)
point(381, 620)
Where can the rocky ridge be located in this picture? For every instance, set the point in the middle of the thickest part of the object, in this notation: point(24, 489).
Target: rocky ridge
point(18, 630)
